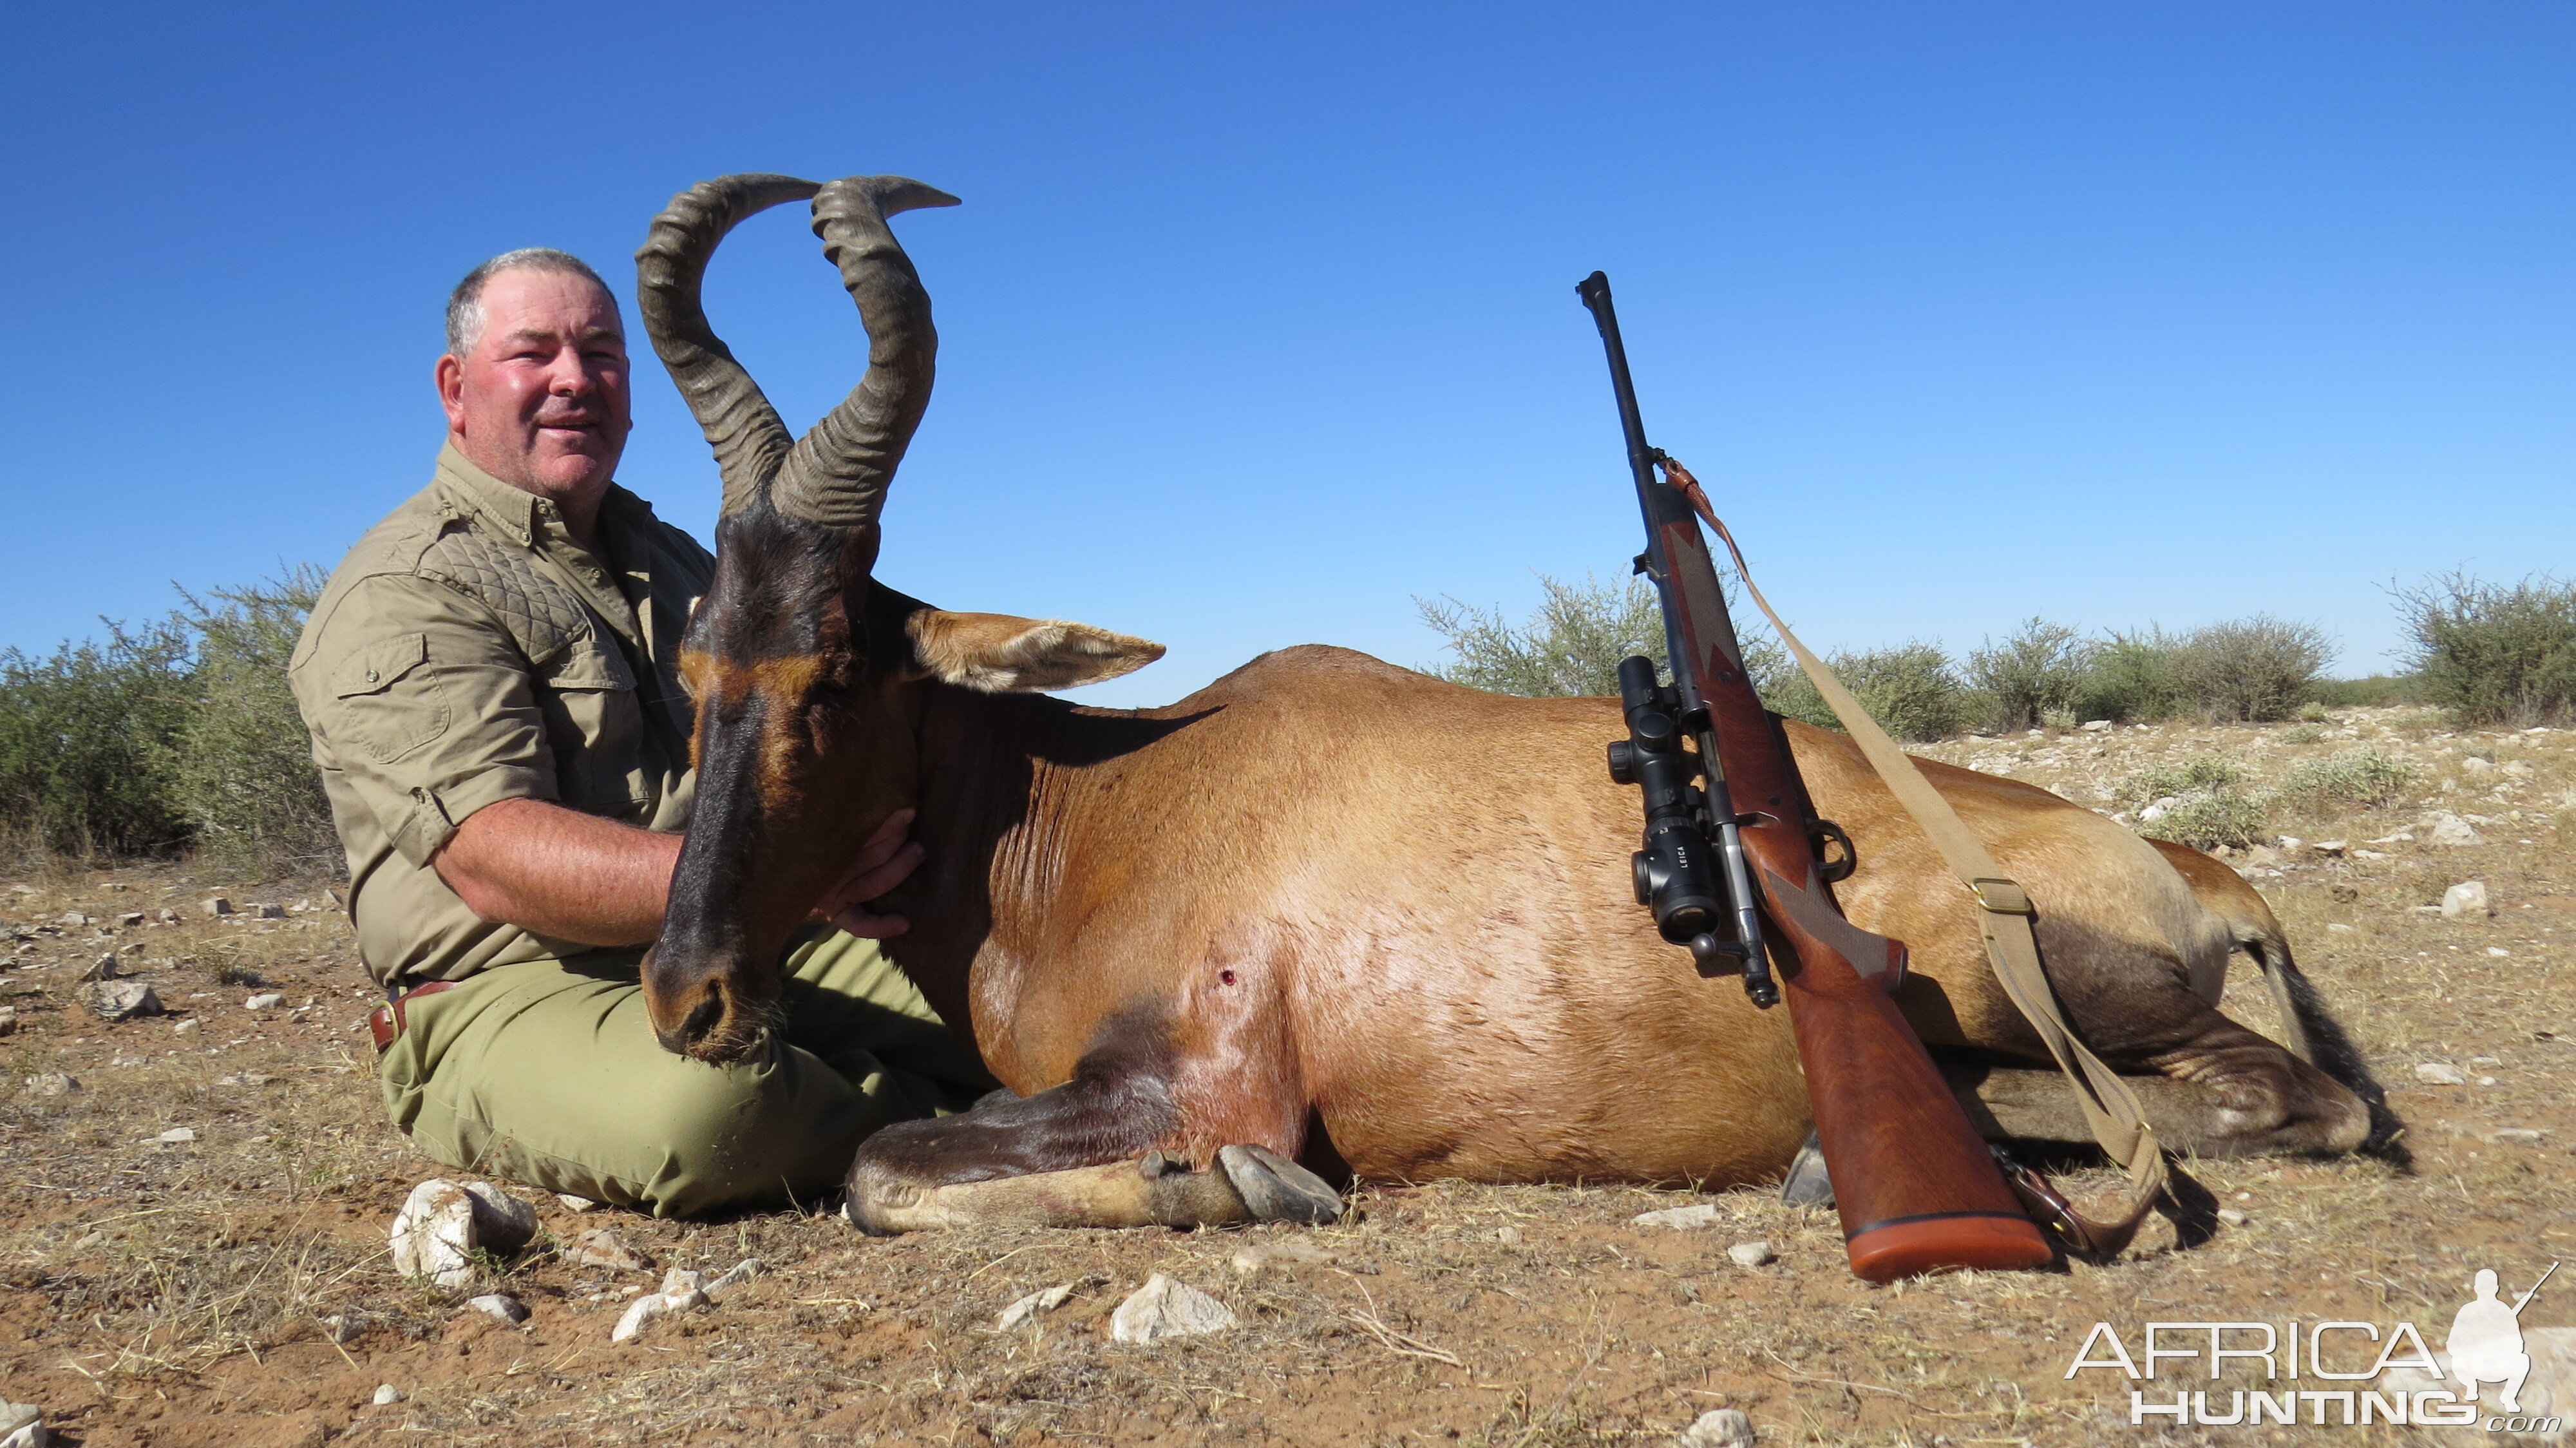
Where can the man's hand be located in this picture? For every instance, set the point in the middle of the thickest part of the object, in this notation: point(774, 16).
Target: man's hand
point(883, 863)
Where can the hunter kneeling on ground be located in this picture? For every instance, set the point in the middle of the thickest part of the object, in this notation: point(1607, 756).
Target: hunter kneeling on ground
point(492, 683)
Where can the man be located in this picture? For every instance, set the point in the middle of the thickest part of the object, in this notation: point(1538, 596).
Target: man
point(491, 680)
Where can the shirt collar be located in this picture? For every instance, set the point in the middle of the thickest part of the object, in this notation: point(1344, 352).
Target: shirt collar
point(468, 489)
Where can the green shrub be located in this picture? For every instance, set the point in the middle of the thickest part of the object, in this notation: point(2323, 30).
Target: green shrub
point(2036, 675)
point(2221, 819)
point(86, 736)
point(2200, 774)
point(245, 776)
point(2365, 778)
point(2252, 670)
point(2492, 653)
point(2201, 801)
point(2377, 691)
point(1571, 647)
point(1910, 690)
point(2302, 734)
point(2131, 679)
point(177, 734)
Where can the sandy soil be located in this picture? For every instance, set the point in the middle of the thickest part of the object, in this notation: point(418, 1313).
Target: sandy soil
point(189, 1292)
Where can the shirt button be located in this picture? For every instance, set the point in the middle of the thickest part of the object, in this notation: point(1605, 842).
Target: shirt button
point(371, 676)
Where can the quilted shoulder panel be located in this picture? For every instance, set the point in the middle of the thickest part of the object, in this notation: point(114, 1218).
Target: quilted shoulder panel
point(543, 616)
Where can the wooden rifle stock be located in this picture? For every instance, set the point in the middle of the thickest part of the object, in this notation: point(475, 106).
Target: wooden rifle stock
point(1917, 1189)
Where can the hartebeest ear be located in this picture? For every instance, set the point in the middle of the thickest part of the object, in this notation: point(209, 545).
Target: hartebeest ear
point(995, 653)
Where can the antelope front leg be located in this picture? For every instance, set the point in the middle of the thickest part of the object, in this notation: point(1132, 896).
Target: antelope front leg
point(1246, 1184)
point(1080, 1155)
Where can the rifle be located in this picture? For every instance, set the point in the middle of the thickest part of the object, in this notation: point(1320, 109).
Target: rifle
point(1917, 1189)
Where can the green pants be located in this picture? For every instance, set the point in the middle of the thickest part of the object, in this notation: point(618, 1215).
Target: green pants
point(547, 1073)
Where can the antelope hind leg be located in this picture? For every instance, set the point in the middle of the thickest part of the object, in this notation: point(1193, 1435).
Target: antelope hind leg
point(2231, 1093)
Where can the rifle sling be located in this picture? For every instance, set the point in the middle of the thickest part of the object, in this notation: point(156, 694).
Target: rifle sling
point(2109, 1107)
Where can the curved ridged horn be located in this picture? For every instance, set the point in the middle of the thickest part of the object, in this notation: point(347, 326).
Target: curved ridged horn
point(750, 442)
point(837, 473)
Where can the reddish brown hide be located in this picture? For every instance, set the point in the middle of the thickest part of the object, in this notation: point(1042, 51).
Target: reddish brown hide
point(1350, 898)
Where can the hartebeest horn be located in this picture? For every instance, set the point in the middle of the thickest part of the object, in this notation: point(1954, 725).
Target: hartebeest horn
point(837, 473)
point(749, 441)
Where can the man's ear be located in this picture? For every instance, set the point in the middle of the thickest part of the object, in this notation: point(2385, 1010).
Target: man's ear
point(995, 653)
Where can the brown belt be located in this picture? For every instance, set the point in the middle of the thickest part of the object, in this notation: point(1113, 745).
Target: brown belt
point(386, 1021)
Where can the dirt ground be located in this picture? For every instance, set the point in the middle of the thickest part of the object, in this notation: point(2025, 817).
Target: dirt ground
point(159, 1290)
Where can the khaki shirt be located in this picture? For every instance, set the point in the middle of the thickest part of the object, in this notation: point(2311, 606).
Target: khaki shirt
point(469, 651)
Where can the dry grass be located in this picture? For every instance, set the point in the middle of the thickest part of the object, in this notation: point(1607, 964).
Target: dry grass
point(174, 1294)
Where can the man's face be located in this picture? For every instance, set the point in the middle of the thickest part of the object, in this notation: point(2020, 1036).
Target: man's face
point(540, 402)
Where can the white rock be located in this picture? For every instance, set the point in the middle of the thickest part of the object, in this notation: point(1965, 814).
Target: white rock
point(22, 1425)
point(178, 1134)
point(267, 1001)
point(2096, 726)
point(2439, 1073)
point(120, 1000)
point(682, 1291)
point(434, 1233)
point(2231, 1216)
point(740, 1273)
point(1678, 1218)
point(2498, 951)
point(1045, 1299)
point(1756, 1253)
point(268, 912)
point(2474, 765)
point(2339, 928)
point(218, 905)
point(2450, 829)
point(8, 1020)
point(500, 1305)
point(2469, 897)
point(2517, 769)
point(440, 1225)
point(52, 1083)
point(341, 1327)
point(601, 1247)
point(639, 1315)
point(1164, 1308)
point(103, 968)
point(1718, 1428)
point(386, 1393)
point(185, 1027)
point(576, 1204)
point(2332, 847)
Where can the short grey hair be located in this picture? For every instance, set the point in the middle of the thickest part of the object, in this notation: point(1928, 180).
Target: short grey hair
point(465, 304)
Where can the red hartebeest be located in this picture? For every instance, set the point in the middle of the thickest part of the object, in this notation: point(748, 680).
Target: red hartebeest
point(1324, 910)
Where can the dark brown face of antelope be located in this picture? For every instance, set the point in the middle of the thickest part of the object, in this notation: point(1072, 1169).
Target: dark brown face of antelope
point(800, 748)
point(801, 751)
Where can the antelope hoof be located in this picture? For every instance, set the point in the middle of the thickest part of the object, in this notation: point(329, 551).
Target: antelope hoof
point(1276, 1189)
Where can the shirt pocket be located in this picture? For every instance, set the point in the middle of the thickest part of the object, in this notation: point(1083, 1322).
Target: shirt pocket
point(389, 700)
point(597, 731)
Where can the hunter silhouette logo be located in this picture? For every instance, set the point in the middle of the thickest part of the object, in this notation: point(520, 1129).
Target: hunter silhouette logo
point(2486, 1339)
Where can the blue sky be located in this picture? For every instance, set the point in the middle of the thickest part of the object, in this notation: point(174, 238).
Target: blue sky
point(1259, 323)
